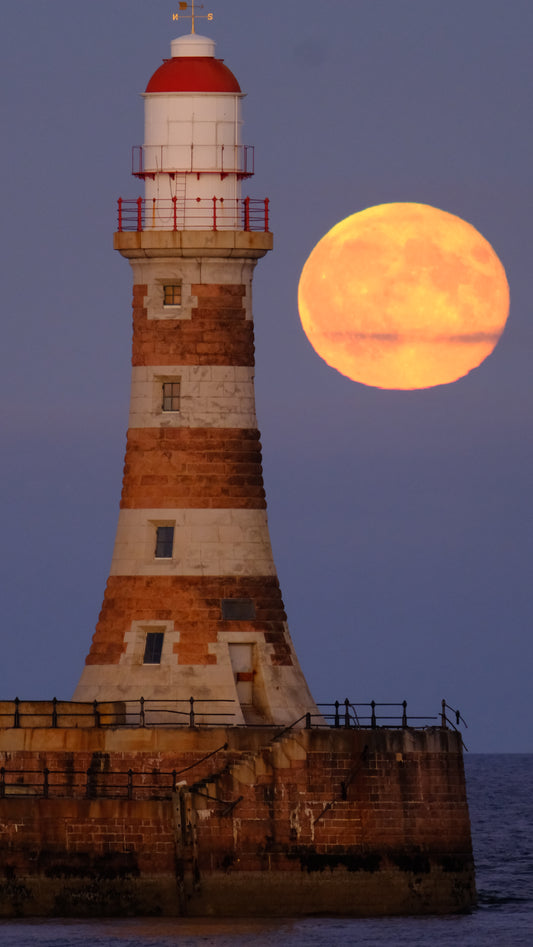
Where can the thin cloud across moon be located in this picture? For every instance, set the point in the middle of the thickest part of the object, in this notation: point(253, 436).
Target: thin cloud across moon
point(403, 296)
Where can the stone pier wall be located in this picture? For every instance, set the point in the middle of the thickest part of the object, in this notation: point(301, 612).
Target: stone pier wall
point(360, 822)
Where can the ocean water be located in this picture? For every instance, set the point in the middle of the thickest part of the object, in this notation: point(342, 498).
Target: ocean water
point(500, 790)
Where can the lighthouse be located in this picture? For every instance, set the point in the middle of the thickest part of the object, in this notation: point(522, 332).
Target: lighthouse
point(192, 774)
point(192, 606)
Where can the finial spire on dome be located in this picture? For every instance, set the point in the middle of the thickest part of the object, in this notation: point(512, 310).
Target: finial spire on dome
point(192, 15)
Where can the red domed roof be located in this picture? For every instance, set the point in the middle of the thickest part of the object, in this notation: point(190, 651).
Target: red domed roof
point(193, 74)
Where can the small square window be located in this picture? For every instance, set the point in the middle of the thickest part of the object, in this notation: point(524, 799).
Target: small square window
point(238, 609)
point(153, 647)
point(172, 294)
point(170, 392)
point(164, 542)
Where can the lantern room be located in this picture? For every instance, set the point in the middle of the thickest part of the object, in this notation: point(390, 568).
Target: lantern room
point(192, 152)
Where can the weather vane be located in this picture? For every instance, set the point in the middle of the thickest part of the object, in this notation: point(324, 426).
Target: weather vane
point(192, 15)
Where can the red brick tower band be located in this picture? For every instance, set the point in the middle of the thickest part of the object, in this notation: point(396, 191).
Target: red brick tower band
point(192, 606)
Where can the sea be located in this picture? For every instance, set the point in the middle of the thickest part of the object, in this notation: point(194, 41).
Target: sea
point(500, 791)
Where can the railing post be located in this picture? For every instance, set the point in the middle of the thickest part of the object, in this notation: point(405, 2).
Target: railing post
point(130, 784)
point(119, 202)
point(404, 713)
point(142, 719)
point(214, 213)
point(346, 712)
point(139, 213)
point(2, 782)
point(308, 721)
point(191, 712)
point(267, 221)
point(174, 208)
point(246, 213)
point(443, 721)
point(96, 713)
point(54, 713)
point(373, 719)
point(337, 719)
point(174, 774)
point(16, 717)
point(46, 773)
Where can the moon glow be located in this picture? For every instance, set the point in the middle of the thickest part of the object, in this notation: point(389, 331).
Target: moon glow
point(403, 296)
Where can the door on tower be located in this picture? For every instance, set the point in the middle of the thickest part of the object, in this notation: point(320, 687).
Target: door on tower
point(241, 656)
point(242, 663)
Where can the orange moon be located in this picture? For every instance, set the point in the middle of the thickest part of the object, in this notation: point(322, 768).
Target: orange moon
point(403, 296)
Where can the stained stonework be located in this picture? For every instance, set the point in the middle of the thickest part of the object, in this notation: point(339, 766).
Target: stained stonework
point(193, 603)
point(233, 822)
point(206, 542)
point(218, 332)
point(193, 468)
point(210, 396)
point(217, 468)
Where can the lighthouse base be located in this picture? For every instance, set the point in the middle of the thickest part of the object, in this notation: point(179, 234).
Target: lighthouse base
point(233, 822)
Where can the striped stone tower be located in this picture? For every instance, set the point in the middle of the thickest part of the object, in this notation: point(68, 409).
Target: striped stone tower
point(192, 606)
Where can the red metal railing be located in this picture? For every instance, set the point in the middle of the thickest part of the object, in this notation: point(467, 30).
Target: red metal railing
point(215, 213)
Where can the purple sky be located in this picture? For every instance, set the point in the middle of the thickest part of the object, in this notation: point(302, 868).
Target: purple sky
point(401, 521)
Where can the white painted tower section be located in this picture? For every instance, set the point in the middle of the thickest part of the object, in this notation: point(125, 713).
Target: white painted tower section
point(192, 150)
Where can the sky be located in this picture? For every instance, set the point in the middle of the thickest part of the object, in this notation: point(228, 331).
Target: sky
point(401, 521)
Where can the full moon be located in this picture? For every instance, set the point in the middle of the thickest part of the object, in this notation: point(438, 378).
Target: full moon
point(403, 296)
